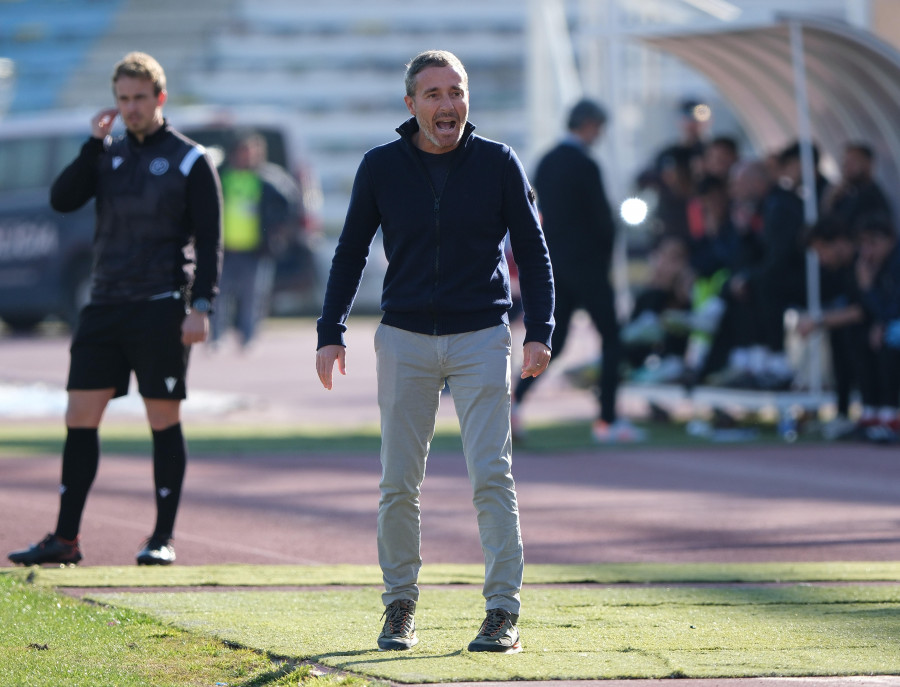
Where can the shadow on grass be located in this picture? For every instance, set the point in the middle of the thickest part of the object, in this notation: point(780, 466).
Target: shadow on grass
point(379, 658)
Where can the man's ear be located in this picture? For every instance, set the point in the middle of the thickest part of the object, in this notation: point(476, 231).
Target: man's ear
point(410, 104)
point(162, 98)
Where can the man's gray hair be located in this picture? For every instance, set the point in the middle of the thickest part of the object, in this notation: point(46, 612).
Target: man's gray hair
point(432, 58)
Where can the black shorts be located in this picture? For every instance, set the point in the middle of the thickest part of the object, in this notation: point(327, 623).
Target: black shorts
point(112, 340)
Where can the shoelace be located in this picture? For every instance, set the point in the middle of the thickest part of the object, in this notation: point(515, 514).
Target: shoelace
point(494, 621)
point(398, 617)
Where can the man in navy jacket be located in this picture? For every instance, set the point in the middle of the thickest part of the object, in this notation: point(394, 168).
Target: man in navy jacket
point(445, 199)
point(580, 231)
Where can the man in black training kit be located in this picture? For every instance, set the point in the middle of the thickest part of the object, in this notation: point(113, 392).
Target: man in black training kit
point(158, 195)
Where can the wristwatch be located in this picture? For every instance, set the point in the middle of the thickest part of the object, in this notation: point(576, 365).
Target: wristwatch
point(201, 305)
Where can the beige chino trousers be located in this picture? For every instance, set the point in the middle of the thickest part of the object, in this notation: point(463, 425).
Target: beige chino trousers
point(411, 371)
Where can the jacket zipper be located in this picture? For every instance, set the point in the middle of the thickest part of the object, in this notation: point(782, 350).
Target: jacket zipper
point(437, 222)
point(437, 252)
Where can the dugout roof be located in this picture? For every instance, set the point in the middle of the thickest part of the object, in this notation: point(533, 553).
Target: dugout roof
point(853, 84)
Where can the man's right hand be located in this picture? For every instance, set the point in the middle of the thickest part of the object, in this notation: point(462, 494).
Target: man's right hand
point(325, 358)
point(102, 123)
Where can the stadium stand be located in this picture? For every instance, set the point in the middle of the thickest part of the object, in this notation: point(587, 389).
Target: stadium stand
point(340, 66)
point(48, 41)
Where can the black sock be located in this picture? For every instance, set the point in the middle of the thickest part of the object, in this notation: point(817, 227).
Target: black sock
point(169, 460)
point(81, 455)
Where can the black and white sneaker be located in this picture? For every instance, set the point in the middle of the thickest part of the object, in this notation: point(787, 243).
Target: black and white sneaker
point(157, 550)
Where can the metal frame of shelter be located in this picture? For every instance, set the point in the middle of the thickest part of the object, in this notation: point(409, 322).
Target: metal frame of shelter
point(803, 78)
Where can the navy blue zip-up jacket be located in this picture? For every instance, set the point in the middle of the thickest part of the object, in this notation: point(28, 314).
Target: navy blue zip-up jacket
point(447, 272)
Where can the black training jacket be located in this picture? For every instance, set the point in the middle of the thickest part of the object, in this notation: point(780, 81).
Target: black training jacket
point(158, 215)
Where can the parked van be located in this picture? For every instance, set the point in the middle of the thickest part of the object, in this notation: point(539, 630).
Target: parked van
point(45, 256)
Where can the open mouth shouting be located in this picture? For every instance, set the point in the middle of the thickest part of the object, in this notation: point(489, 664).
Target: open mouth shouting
point(446, 126)
point(443, 132)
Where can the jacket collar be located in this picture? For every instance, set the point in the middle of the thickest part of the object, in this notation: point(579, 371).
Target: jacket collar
point(152, 138)
point(571, 139)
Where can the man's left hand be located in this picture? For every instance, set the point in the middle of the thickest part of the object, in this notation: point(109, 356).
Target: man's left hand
point(194, 328)
point(535, 358)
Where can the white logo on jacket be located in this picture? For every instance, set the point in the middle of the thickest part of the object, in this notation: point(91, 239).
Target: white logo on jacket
point(159, 166)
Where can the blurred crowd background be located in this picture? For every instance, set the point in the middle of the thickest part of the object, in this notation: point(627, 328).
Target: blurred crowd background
point(713, 105)
point(336, 68)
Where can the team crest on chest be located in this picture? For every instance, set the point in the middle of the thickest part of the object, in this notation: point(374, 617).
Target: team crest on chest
point(159, 166)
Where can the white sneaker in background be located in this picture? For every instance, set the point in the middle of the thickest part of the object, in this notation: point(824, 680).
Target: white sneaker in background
point(838, 428)
point(619, 432)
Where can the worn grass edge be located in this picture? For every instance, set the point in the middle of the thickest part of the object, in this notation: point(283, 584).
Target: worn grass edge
point(446, 574)
point(633, 633)
point(254, 667)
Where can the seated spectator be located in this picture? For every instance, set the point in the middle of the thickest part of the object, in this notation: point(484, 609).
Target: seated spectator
point(720, 156)
point(857, 195)
point(713, 250)
point(778, 280)
point(711, 241)
point(878, 276)
point(655, 354)
point(749, 184)
point(672, 182)
point(842, 317)
point(734, 344)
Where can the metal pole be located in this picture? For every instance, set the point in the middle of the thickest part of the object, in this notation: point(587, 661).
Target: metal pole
point(810, 201)
point(553, 80)
point(615, 187)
